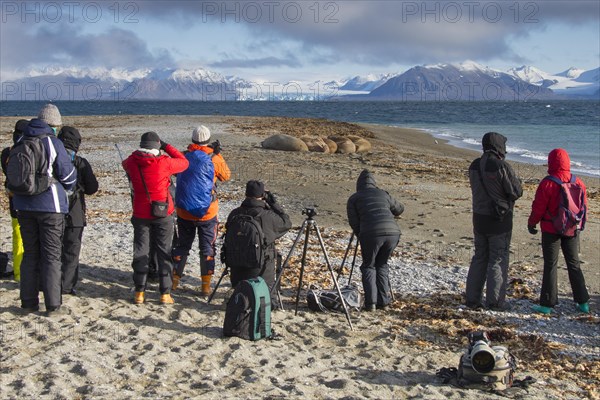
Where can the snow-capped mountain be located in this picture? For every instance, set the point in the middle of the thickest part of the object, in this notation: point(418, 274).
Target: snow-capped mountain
point(572, 82)
point(467, 81)
point(366, 83)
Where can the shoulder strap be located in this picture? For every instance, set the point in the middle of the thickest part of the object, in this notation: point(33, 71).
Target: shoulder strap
point(481, 171)
point(144, 182)
point(555, 179)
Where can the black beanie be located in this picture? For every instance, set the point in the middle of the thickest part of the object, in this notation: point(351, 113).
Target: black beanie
point(255, 189)
point(150, 140)
point(19, 129)
point(70, 138)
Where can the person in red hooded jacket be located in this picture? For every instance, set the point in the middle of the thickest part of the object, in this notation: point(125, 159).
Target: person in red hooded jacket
point(150, 173)
point(544, 206)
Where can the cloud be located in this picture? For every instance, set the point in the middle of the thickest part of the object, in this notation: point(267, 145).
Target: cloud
point(264, 62)
point(65, 44)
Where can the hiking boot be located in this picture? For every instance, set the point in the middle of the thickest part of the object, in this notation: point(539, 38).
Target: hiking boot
point(500, 307)
point(370, 307)
point(139, 298)
point(584, 307)
point(29, 310)
point(55, 311)
point(383, 307)
point(542, 309)
point(176, 279)
point(205, 288)
point(166, 299)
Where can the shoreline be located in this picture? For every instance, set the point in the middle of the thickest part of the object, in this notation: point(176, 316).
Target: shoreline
point(107, 347)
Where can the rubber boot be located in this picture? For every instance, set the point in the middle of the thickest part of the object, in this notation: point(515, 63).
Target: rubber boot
point(542, 309)
point(584, 307)
point(205, 290)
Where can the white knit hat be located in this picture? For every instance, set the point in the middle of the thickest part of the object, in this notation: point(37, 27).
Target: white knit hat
point(201, 135)
point(50, 115)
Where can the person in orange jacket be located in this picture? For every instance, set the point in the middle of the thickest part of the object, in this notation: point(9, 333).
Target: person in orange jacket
point(195, 191)
point(150, 173)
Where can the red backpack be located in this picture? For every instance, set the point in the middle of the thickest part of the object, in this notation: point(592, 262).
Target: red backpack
point(571, 215)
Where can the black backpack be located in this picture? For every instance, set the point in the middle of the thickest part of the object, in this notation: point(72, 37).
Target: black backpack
point(244, 242)
point(27, 167)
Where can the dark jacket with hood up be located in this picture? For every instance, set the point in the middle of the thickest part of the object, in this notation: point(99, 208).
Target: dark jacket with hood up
point(86, 180)
point(501, 186)
point(371, 210)
point(53, 200)
point(547, 196)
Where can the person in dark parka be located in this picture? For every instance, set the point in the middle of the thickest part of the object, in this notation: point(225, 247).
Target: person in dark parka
point(371, 213)
point(494, 185)
point(41, 218)
point(87, 184)
point(275, 223)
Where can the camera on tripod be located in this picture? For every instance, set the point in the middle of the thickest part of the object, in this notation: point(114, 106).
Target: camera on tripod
point(309, 211)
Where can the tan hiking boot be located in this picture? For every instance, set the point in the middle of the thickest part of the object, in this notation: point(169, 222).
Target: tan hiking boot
point(176, 279)
point(139, 298)
point(166, 299)
point(205, 289)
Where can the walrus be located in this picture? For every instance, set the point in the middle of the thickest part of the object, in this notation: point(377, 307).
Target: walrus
point(331, 144)
point(344, 145)
point(315, 144)
point(362, 144)
point(284, 142)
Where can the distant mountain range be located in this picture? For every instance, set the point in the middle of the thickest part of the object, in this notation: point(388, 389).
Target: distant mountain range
point(441, 82)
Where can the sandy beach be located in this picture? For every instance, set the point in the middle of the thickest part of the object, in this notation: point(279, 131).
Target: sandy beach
point(107, 347)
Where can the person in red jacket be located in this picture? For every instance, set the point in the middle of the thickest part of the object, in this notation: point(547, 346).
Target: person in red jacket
point(150, 173)
point(544, 206)
point(190, 225)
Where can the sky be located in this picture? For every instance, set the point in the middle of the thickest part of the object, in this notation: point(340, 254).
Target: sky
point(282, 41)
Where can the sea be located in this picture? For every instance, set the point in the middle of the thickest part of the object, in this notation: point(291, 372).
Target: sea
point(533, 128)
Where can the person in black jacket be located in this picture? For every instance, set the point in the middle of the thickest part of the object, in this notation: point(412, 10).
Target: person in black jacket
point(274, 222)
point(75, 219)
point(371, 213)
point(495, 188)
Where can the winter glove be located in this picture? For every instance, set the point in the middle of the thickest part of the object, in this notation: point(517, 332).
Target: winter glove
point(531, 229)
point(163, 145)
point(270, 198)
point(216, 146)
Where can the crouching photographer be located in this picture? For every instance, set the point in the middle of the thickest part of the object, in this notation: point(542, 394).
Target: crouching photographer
point(371, 213)
point(251, 231)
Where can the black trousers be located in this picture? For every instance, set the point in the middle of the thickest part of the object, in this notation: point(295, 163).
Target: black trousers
point(42, 235)
point(159, 233)
point(551, 246)
point(207, 236)
point(70, 257)
point(376, 250)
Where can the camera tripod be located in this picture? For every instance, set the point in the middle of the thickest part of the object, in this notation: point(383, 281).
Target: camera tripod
point(308, 224)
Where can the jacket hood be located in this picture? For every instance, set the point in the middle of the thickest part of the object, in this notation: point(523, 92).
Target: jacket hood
point(365, 180)
point(70, 138)
point(143, 158)
point(37, 127)
point(495, 142)
point(559, 162)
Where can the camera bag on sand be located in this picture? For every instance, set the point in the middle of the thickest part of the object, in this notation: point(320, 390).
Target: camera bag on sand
point(244, 242)
point(329, 300)
point(571, 213)
point(499, 378)
point(27, 167)
point(248, 313)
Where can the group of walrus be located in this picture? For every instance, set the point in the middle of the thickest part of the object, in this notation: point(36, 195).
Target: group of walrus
point(330, 144)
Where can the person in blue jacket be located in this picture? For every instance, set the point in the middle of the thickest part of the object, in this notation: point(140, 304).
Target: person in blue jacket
point(42, 221)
